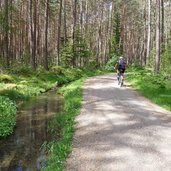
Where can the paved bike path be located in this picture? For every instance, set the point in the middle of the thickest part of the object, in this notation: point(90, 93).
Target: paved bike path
point(118, 130)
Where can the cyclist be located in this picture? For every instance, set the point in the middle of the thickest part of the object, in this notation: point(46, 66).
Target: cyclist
point(120, 66)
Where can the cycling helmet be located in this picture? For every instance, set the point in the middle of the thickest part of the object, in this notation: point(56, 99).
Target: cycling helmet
point(120, 57)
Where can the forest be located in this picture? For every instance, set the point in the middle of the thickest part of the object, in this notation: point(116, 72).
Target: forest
point(84, 33)
point(44, 43)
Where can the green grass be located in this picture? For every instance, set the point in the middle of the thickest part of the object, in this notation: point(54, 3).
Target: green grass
point(153, 86)
point(23, 83)
point(63, 125)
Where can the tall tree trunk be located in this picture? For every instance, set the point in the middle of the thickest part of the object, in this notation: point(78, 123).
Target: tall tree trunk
point(7, 33)
point(144, 59)
point(157, 64)
point(46, 35)
point(59, 31)
point(34, 32)
point(81, 18)
point(111, 26)
point(65, 23)
point(74, 29)
point(149, 31)
point(11, 33)
point(162, 24)
point(34, 53)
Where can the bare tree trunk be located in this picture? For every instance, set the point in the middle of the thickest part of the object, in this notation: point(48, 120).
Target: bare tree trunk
point(20, 34)
point(81, 18)
point(65, 26)
point(46, 35)
point(74, 29)
point(157, 64)
point(144, 59)
point(11, 34)
point(34, 48)
point(162, 25)
point(101, 37)
point(32, 35)
point(7, 33)
point(81, 29)
point(149, 31)
point(59, 31)
point(107, 36)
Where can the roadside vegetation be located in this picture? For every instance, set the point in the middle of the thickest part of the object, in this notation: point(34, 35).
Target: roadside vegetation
point(21, 84)
point(36, 35)
point(7, 116)
point(64, 123)
point(156, 87)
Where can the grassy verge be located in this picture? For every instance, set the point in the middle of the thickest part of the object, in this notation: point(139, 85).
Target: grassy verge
point(65, 123)
point(59, 150)
point(153, 86)
point(22, 83)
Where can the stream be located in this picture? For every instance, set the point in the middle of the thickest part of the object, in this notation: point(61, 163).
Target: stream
point(22, 150)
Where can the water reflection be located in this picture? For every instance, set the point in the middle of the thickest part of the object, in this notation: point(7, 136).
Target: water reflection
point(22, 150)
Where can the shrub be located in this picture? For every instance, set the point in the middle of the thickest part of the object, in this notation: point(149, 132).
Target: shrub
point(57, 69)
point(6, 78)
point(153, 86)
point(7, 116)
point(22, 70)
point(110, 64)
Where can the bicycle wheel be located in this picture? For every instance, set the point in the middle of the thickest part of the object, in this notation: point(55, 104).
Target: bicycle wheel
point(118, 78)
point(121, 80)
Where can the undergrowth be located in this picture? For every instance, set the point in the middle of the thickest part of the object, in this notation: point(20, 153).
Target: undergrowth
point(156, 87)
point(7, 116)
point(23, 82)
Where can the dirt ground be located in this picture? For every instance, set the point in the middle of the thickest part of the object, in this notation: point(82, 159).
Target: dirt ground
point(118, 130)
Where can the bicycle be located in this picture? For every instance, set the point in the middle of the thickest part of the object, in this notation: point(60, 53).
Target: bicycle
point(120, 78)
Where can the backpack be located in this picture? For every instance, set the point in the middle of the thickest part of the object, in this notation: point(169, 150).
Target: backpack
point(121, 64)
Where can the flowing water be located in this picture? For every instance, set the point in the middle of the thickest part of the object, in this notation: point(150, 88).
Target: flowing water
point(22, 151)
